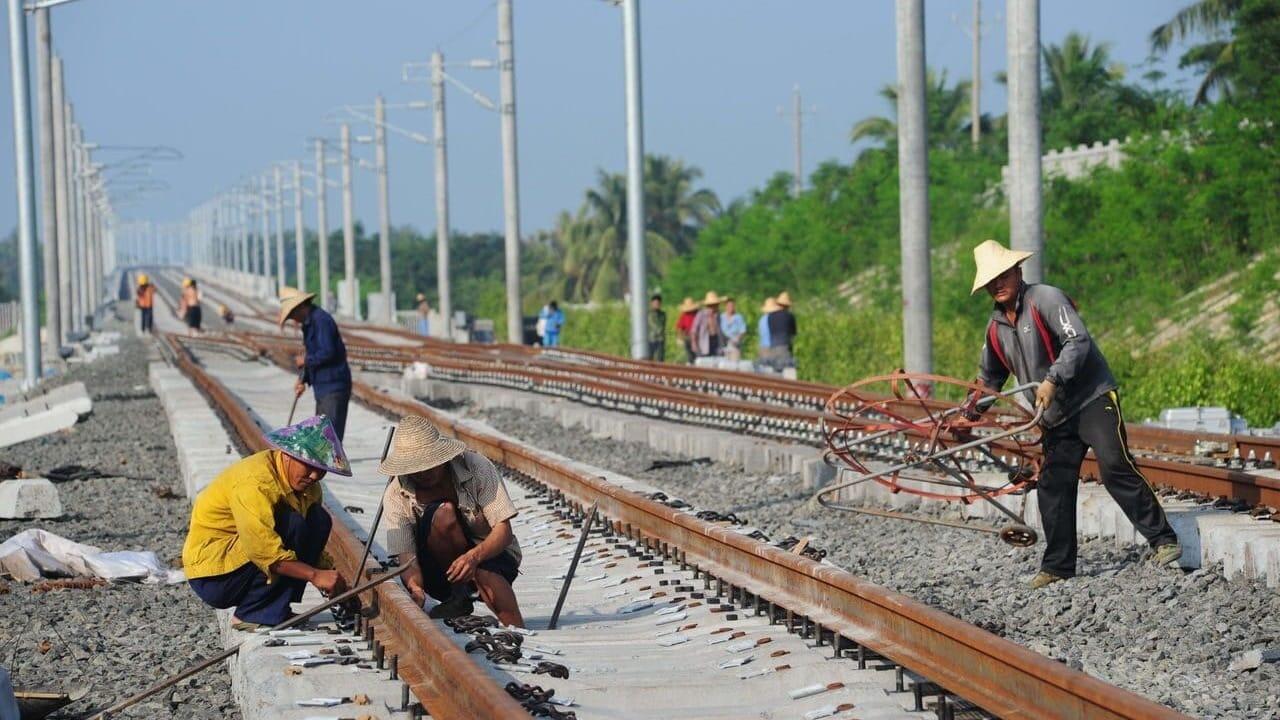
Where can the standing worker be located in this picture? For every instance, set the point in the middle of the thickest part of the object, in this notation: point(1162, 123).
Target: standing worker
point(189, 306)
point(782, 332)
point(324, 364)
point(684, 326)
point(144, 300)
point(1036, 335)
point(554, 324)
point(705, 333)
point(258, 531)
point(732, 328)
point(765, 356)
point(424, 315)
point(657, 329)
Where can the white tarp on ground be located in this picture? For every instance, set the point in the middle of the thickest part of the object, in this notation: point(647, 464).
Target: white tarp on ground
point(36, 554)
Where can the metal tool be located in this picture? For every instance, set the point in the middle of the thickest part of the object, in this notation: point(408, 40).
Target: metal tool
point(573, 565)
point(933, 447)
point(377, 517)
point(205, 664)
point(294, 407)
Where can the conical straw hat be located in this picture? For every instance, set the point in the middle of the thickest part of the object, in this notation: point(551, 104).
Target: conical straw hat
point(784, 299)
point(290, 299)
point(417, 446)
point(314, 442)
point(770, 306)
point(991, 259)
point(688, 305)
point(712, 298)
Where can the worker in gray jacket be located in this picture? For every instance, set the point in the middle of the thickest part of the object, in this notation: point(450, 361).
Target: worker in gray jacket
point(1036, 335)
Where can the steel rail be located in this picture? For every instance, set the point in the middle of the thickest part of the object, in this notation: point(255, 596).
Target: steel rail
point(443, 677)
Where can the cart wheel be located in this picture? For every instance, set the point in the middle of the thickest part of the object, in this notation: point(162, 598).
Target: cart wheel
point(1019, 536)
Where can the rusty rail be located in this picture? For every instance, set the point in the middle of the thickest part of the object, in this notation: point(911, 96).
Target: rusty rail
point(440, 674)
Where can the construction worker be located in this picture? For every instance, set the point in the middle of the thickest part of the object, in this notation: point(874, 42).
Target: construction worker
point(258, 531)
point(189, 306)
point(1036, 335)
point(324, 364)
point(144, 300)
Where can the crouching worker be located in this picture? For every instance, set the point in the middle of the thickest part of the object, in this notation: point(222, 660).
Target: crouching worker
point(449, 516)
point(258, 530)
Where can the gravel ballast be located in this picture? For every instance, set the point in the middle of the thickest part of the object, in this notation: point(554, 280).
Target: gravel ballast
point(1160, 632)
point(124, 636)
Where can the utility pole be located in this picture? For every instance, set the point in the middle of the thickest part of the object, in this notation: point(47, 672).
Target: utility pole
point(280, 280)
point(48, 184)
point(25, 176)
point(797, 136)
point(322, 223)
point(1023, 40)
point(75, 229)
point(85, 215)
point(242, 215)
point(299, 232)
point(510, 172)
point(264, 203)
point(913, 189)
point(384, 210)
point(348, 226)
point(445, 303)
point(635, 180)
point(975, 86)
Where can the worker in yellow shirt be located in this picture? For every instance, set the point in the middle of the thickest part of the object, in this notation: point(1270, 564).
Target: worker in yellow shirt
point(258, 531)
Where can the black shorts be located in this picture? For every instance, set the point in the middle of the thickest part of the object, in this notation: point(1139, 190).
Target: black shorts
point(434, 580)
point(194, 316)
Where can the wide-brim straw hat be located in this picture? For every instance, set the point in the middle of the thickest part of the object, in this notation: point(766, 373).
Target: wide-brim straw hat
point(688, 305)
point(712, 298)
point(290, 300)
point(420, 297)
point(314, 442)
point(417, 446)
point(992, 259)
point(783, 299)
point(770, 305)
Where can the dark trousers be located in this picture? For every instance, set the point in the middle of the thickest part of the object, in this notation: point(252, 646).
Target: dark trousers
point(1100, 426)
point(658, 350)
point(146, 319)
point(246, 588)
point(334, 406)
point(434, 580)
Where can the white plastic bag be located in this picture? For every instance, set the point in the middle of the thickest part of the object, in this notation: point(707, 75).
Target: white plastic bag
point(36, 554)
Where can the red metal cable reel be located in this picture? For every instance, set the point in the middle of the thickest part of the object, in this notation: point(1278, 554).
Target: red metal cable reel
point(937, 450)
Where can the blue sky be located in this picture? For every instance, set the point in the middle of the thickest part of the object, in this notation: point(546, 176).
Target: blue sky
point(236, 85)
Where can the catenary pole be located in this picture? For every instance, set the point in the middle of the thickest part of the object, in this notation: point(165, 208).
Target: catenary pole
point(322, 224)
point(48, 184)
point(348, 227)
point(82, 227)
point(25, 177)
point(635, 180)
point(445, 303)
point(75, 228)
point(913, 189)
point(975, 86)
point(1023, 40)
point(264, 205)
point(797, 128)
point(299, 230)
point(384, 212)
point(510, 171)
point(280, 273)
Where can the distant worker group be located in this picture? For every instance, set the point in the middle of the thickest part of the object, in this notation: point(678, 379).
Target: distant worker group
point(707, 331)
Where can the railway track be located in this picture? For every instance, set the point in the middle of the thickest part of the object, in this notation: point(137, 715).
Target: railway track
point(973, 673)
point(765, 406)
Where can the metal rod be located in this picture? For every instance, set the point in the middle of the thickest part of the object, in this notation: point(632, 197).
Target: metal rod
point(205, 664)
point(573, 566)
point(377, 517)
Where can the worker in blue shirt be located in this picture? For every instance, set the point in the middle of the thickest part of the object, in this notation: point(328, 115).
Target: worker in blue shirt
point(554, 321)
point(324, 365)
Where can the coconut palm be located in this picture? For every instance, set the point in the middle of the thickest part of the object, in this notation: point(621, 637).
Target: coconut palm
point(947, 107)
point(1084, 96)
point(676, 210)
point(1215, 58)
point(605, 250)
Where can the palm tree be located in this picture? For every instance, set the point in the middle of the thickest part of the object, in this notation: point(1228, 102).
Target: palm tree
point(1084, 96)
point(674, 209)
point(605, 250)
point(947, 106)
point(1215, 58)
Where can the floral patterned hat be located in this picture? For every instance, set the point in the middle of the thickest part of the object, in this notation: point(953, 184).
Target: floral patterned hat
point(314, 442)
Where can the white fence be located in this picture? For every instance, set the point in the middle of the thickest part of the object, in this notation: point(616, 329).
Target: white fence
point(10, 317)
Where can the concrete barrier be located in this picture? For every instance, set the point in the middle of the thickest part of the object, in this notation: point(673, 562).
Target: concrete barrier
point(27, 498)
